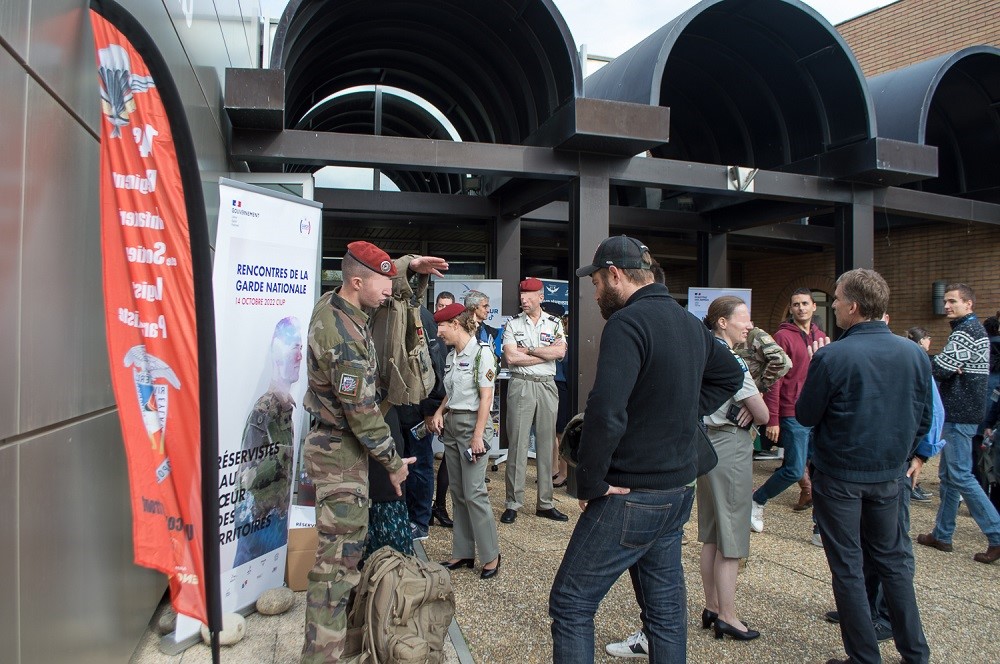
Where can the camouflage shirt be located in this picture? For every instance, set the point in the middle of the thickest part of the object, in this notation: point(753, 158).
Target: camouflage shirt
point(343, 378)
point(268, 476)
point(764, 357)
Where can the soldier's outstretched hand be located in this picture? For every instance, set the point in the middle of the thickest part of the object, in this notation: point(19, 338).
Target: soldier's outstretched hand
point(429, 265)
point(397, 478)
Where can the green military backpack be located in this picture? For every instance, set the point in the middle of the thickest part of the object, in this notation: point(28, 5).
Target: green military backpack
point(406, 372)
point(401, 611)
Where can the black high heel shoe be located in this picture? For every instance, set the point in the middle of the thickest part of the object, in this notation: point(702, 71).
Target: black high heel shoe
point(458, 564)
point(707, 618)
point(441, 514)
point(490, 573)
point(722, 628)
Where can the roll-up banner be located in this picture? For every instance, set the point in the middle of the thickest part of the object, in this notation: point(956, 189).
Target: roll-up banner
point(158, 311)
point(266, 253)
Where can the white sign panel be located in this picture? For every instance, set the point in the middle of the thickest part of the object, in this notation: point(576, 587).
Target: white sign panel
point(493, 288)
point(265, 282)
point(700, 298)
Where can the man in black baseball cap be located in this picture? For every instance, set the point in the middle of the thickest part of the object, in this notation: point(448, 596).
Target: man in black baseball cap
point(623, 252)
point(659, 370)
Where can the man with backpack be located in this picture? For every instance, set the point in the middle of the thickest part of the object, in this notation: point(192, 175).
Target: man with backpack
point(349, 427)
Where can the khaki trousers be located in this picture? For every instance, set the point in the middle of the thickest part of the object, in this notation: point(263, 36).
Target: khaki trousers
point(475, 527)
point(530, 402)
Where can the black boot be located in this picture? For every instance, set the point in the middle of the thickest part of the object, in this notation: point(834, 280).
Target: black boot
point(441, 514)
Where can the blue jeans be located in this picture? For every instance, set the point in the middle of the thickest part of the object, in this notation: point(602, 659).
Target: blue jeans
point(640, 532)
point(795, 439)
point(420, 482)
point(955, 472)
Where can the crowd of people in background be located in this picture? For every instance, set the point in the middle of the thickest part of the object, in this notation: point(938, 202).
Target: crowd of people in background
point(717, 390)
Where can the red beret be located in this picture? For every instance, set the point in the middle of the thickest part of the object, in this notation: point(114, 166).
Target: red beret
point(372, 258)
point(449, 312)
point(530, 285)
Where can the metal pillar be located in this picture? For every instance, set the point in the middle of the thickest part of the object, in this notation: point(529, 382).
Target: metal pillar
point(589, 224)
point(507, 259)
point(854, 243)
point(713, 260)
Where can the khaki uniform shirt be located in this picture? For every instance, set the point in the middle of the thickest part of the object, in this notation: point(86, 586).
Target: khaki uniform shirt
point(462, 381)
point(342, 393)
point(749, 388)
point(521, 332)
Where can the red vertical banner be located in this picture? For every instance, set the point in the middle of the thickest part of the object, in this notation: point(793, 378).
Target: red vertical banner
point(150, 317)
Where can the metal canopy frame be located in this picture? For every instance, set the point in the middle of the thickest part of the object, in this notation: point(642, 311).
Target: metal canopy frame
point(772, 122)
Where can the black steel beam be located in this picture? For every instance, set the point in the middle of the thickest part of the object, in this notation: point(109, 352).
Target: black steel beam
point(882, 162)
point(759, 213)
point(406, 203)
point(791, 232)
point(854, 244)
point(935, 207)
point(713, 260)
point(520, 197)
point(255, 98)
point(306, 147)
point(601, 126)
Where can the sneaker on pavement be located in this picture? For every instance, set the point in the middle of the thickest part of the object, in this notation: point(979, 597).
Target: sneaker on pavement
point(417, 532)
point(882, 631)
point(756, 517)
point(916, 493)
point(817, 539)
point(634, 647)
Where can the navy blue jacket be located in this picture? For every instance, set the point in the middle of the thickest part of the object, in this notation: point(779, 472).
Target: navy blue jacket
point(868, 397)
point(658, 372)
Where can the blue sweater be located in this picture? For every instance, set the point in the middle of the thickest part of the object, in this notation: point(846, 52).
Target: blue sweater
point(868, 397)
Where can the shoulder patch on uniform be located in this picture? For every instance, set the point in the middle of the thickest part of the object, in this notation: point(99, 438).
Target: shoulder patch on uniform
point(349, 384)
point(490, 375)
point(742, 363)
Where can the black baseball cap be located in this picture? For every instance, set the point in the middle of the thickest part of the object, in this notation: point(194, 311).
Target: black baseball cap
point(622, 251)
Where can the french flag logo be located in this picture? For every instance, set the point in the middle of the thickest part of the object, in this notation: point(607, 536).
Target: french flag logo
point(237, 204)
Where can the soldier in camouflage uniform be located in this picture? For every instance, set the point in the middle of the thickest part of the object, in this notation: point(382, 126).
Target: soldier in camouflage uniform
point(265, 482)
point(764, 357)
point(349, 427)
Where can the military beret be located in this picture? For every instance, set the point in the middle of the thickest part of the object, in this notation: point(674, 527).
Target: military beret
point(372, 258)
point(449, 312)
point(530, 285)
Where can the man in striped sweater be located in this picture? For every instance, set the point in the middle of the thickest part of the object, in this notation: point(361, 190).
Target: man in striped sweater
point(962, 370)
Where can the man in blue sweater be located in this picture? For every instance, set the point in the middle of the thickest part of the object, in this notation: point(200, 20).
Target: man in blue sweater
point(868, 398)
point(962, 372)
point(658, 372)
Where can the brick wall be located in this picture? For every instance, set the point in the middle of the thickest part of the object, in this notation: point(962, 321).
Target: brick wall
point(911, 31)
point(911, 260)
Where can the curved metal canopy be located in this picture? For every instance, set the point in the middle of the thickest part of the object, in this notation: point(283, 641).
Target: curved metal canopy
point(953, 103)
point(764, 83)
point(354, 113)
point(496, 69)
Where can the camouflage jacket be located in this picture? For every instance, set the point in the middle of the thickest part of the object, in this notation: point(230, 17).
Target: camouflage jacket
point(268, 476)
point(343, 383)
point(764, 357)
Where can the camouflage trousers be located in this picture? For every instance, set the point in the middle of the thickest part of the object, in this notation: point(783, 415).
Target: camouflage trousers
point(339, 469)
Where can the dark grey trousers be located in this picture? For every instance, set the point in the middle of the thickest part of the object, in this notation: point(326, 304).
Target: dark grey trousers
point(846, 512)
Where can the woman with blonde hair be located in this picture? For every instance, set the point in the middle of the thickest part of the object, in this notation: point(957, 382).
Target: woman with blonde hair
point(464, 424)
point(723, 508)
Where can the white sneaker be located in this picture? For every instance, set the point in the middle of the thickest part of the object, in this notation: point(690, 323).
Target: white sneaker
point(634, 647)
point(756, 517)
point(817, 540)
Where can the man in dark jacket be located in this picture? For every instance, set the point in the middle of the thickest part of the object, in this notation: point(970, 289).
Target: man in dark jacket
point(659, 370)
point(962, 372)
point(868, 397)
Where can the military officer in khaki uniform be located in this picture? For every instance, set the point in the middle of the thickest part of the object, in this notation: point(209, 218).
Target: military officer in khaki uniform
point(342, 397)
point(532, 343)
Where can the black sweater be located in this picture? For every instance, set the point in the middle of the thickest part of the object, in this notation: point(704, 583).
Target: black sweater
point(659, 370)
